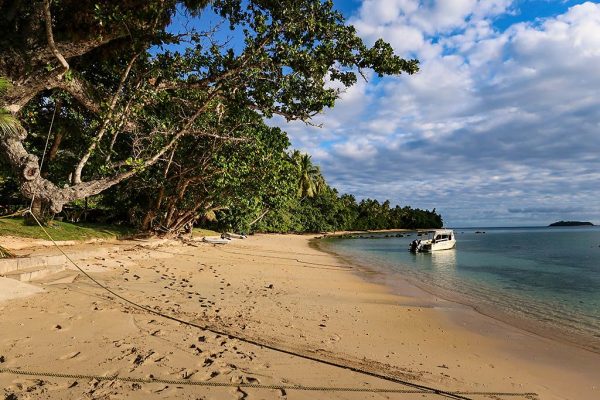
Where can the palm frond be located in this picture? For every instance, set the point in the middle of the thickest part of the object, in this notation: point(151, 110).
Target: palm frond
point(9, 125)
point(5, 253)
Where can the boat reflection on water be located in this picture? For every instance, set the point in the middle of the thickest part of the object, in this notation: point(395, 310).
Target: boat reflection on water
point(443, 260)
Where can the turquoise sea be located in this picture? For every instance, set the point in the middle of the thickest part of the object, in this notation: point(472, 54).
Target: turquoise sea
point(546, 278)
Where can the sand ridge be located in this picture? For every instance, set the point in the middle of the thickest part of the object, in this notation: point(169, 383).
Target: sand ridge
point(273, 289)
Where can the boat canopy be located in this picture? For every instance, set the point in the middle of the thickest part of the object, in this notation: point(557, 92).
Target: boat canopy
point(441, 235)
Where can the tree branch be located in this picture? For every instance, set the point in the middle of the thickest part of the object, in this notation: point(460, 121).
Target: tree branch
point(81, 91)
point(50, 38)
point(220, 137)
point(86, 156)
point(27, 87)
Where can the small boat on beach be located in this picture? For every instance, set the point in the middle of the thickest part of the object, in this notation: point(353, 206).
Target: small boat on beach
point(215, 240)
point(440, 239)
point(229, 235)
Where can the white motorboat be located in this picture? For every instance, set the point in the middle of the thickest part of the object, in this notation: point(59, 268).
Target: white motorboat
point(440, 239)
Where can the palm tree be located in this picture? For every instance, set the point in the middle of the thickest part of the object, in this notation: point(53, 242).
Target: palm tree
point(9, 125)
point(311, 181)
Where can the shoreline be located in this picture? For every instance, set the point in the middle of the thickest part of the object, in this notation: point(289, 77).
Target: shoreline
point(389, 279)
point(273, 289)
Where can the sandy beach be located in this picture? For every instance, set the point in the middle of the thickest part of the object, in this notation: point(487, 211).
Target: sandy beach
point(268, 301)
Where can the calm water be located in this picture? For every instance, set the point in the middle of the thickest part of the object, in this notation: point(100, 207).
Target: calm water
point(547, 275)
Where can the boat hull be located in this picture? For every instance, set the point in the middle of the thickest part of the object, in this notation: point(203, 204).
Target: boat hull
point(447, 245)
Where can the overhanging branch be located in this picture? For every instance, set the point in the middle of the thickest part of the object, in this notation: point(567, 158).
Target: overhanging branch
point(50, 38)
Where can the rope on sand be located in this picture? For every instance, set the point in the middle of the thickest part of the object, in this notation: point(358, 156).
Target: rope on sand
point(188, 382)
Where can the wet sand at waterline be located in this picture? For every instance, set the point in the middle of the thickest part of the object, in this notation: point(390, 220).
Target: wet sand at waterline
point(271, 289)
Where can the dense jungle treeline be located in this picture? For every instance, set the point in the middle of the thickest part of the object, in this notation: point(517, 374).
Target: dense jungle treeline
point(144, 119)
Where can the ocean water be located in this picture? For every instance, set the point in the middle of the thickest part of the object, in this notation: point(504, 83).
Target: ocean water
point(547, 276)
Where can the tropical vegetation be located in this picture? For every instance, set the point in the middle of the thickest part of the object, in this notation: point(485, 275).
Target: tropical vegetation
point(112, 111)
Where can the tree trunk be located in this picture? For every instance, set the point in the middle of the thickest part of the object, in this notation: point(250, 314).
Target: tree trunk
point(41, 210)
point(153, 208)
point(32, 185)
point(55, 145)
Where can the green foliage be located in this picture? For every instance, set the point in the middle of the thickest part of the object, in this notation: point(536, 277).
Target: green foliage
point(326, 210)
point(329, 212)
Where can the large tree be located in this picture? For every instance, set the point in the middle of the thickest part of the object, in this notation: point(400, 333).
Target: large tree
point(131, 87)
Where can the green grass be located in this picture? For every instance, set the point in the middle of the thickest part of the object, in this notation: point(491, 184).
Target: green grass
point(62, 230)
point(205, 232)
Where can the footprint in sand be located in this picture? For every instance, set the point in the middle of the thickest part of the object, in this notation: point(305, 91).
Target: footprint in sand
point(209, 376)
point(187, 374)
point(251, 380)
point(335, 338)
point(241, 394)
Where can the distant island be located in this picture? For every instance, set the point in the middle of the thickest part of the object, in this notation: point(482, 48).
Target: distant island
point(571, 223)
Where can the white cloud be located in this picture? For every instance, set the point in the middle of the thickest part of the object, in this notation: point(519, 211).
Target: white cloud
point(494, 120)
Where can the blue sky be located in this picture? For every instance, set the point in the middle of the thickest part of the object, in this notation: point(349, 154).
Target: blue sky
point(501, 127)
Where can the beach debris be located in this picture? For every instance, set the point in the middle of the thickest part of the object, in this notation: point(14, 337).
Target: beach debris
point(2, 359)
point(335, 338)
point(57, 327)
point(270, 286)
point(213, 374)
point(443, 366)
